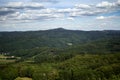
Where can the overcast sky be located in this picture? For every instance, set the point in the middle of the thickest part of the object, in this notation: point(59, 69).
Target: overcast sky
point(23, 15)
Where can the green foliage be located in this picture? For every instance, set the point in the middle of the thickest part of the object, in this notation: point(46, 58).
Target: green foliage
point(12, 41)
point(84, 67)
point(46, 55)
point(91, 67)
point(8, 73)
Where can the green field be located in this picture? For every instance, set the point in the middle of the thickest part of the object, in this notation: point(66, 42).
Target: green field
point(5, 59)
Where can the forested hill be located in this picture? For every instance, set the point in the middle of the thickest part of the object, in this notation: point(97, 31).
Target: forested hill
point(60, 54)
point(59, 38)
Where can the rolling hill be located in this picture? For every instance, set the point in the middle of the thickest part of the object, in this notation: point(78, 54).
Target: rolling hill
point(56, 38)
point(60, 54)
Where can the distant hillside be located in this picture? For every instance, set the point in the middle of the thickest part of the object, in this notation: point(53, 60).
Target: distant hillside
point(60, 54)
point(56, 38)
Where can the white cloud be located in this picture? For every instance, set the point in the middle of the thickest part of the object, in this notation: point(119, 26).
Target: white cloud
point(33, 4)
point(118, 2)
point(4, 9)
point(105, 4)
point(23, 16)
point(100, 17)
point(45, 14)
point(82, 6)
point(11, 12)
point(15, 4)
point(3, 18)
point(96, 9)
point(67, 10)
point(107, 17)
point(19, 5)
point(70, 18)
point(48, 10)
point(50, 1)
point(91, 12)
point(15, 14)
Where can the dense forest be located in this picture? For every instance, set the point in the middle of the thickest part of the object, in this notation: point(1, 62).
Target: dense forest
point(60, 54)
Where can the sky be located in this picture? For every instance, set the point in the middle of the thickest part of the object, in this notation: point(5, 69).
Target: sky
point(30, 15)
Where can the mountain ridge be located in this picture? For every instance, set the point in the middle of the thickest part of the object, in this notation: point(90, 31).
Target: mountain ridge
point(58, 29)
point(57, 38)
